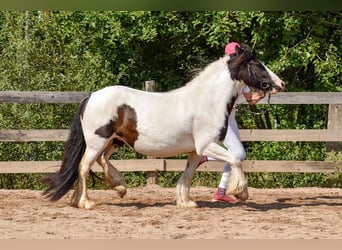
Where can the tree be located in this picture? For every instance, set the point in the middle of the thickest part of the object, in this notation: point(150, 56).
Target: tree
point(85, 51)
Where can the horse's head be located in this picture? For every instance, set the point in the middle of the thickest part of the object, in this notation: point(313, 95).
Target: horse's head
point(244, 66)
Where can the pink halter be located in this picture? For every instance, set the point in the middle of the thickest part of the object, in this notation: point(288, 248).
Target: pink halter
point(230, 48)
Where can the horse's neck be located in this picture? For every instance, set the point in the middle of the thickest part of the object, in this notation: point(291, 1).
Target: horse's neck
point(214, 82)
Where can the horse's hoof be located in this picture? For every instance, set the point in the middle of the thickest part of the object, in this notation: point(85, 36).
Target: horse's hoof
point(187, 204)
point(121, 190)
point(87, 204)
point(243, 196)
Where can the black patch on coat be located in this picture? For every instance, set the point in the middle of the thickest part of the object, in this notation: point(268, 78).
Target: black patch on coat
point(224, 128)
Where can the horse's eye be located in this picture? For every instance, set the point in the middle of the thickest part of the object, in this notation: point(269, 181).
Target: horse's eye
point(264, 85)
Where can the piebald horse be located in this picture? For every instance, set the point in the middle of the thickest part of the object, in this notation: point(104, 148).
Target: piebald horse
point(192, 119)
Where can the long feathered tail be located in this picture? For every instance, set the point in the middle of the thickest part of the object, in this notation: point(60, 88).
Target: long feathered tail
point(61, 182)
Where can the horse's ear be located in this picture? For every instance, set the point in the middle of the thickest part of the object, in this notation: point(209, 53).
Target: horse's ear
point(238, 50)
point(245, 47)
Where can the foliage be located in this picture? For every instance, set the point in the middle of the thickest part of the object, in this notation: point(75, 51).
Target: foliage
point(85, 51)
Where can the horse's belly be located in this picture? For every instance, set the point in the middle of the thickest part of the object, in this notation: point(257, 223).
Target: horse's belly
point(164, 148)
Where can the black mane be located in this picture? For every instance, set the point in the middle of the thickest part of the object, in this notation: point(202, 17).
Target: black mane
point(244, 55)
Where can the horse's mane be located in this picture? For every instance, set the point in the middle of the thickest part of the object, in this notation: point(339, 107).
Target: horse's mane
point(205, 71)
point(196, 70)
point(244, 54)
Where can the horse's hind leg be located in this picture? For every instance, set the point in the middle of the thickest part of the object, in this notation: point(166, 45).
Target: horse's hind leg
point(80, 196)
point(113, 177)
point(183, 198)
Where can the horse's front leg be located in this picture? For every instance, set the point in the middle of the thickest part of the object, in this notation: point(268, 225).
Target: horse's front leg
point(114, 179)
point(183, 198)
point(80, 197)
point(237, 183)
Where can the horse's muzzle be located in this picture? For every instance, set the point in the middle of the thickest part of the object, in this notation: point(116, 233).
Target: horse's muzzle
point(276, 87)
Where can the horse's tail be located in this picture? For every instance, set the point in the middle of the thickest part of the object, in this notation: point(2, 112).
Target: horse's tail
point(61, 182)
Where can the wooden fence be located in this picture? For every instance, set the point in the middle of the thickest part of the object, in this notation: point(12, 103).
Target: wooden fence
point(332, 135)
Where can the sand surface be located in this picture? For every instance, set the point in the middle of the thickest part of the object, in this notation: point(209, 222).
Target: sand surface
point(149, 213)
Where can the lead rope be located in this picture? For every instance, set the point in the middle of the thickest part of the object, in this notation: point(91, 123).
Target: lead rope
point(269, 98)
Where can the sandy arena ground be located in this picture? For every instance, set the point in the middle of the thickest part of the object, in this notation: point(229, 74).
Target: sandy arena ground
point(149, 213)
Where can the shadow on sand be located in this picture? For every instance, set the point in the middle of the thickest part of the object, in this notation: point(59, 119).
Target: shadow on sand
point(278, 204)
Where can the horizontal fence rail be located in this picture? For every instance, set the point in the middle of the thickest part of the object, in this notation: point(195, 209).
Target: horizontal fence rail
point(332, 135)
point(76, 97)
point(157, 165)
point(304, 135)
point(41, 97)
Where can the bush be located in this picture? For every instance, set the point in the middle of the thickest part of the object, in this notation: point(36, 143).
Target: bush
point(86, 51)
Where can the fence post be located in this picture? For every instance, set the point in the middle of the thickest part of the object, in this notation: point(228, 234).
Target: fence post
point(152, 177)
point(335, 122)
